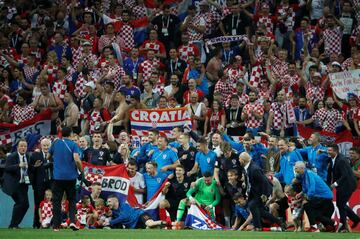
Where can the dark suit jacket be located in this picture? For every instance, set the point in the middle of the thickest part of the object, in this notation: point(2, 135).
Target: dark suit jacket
point(12, 173)
point(260, 184)
point(42, 173)
point(342, 174)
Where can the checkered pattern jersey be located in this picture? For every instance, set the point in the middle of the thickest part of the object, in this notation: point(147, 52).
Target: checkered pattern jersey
point(46, 209)
point(21, 114)
point(279, 68)
point(115, 73)
point(279, 112)
point(314, 92)
point(105, 40)
point(187, 50)
point(257, 72)
point(82, 212)
point(127, 35)
point(76, 54)
point(243, 98)
point(236, 75)
point(193, 34)
point(79, 85)
point(51, 72)
point(59, 88)
point(29, 72)
point(146, 68)
point(267, 22)
point(224, 88)
point(251, 121)
point(332, 41)
point(328, 119)
point(89, 61)
point(287, 11)
point(264, 94)
point(212, 19)
point(95, 120)
point(346, 65)
point(157, 46)
point(139, 11)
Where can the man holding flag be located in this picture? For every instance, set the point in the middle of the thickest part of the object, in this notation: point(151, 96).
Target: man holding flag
point(207, 196)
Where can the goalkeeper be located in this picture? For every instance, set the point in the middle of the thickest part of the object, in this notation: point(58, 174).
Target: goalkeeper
point(207, 196)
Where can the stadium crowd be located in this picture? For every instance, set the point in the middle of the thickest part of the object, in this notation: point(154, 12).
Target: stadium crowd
point(242, 159)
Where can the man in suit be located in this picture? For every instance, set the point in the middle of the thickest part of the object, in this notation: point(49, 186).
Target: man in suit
point(16, 181)
point(259, 188)
point(41, 170)
point(341, 177)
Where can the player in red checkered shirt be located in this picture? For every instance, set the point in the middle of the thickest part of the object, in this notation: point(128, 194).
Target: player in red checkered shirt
point(154, 44)
point(148, 66)
point(187, 49)
point(281, 118)
point(224, 86)
point(332, 35)
point(252, 114)
point(86, 213)
point(21, 111)
point(329, 117)
point(46, 210)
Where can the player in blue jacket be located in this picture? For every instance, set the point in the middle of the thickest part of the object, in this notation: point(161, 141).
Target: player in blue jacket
point(124, 214)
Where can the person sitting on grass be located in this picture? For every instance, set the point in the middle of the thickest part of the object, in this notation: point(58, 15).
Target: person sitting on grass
point(45, 210)
point(86, 213)
point(125, 215)
point(242, 213)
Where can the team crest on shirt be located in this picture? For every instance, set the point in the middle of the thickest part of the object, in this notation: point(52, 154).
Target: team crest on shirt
point(186, 185)
point(233, 161)
point(208, 160)
point(212, 190)
point(192, 153)
point(101, 153)
point(154, 124)
point(164, 156)
point(158, 180)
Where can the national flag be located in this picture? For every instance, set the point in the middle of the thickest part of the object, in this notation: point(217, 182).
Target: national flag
point(197, 218)
point(151, 206)
point(39, 125)
point(113, 179)
point(344, 139)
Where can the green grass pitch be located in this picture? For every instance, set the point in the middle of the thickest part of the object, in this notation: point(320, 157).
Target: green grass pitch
point(164, 234)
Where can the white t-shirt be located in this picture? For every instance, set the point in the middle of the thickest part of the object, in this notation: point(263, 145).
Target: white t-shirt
point(138, 182)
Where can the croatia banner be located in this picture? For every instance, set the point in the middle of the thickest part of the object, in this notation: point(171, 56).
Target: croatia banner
point(12, 133)
point(344, 139)
point(163, 120)
point(115, 180)
point(198, 219)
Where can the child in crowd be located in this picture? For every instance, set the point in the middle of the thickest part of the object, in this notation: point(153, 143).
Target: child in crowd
point(242, 213)
point(103, 213)
point(86, 213)
point(46, 210)
point(296, 207)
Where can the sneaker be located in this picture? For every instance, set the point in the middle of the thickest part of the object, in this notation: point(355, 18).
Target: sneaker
point(56, 229)
point(313, 229)
point(73, 227)
point(64, 225)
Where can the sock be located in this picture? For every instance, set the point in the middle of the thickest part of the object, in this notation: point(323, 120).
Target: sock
point(227, 221)
point(162, 214)
point(180, 211)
